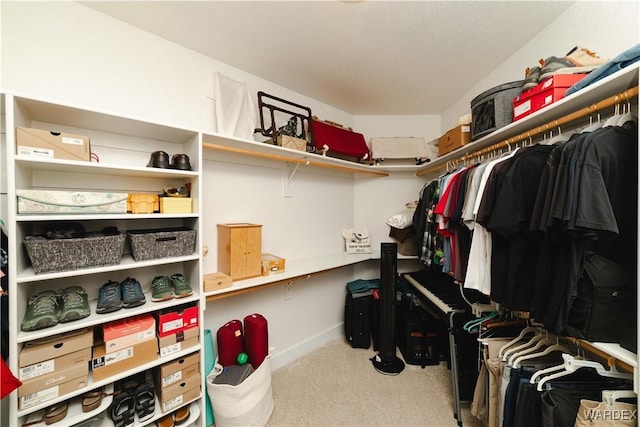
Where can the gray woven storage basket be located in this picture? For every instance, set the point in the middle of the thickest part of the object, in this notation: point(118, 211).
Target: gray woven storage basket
point(162, 243)
point(48, 256)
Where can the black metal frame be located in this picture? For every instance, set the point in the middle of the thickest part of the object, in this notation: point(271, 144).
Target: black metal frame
point(305, 132)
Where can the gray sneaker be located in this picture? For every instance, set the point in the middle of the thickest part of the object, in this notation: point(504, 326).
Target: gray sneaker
point(74, 304)
point(181, 286)
point(531, 76)
point(161, 289)
point(109, 298)
point(132, 295)
point(42, 311)
point(578, 60)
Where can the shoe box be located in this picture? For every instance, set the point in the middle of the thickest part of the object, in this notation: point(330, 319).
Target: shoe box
point(53, 366)
point(179, 341)
point(175, 319)
point(178, 370)
point(545, 93)
point(105, 365)
point(124, 333)
point(52, 145)
point(454, 138)
point(179, 393)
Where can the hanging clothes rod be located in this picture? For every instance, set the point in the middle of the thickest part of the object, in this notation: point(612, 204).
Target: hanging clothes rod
point(621, 97)
point(611, 360)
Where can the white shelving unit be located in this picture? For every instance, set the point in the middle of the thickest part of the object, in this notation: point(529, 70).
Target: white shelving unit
point(123, 146)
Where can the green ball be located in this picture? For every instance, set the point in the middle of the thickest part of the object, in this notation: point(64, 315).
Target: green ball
point(242, 358)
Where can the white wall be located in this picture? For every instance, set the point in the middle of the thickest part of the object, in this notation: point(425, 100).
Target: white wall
point(606, 27)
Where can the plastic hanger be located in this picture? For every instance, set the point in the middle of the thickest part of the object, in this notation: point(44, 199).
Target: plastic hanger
point(524, 332)
point(627, 116)
point(610, 396)
point(571, 364)
point(593, 126)
point(545, 341)
point(613, 120)
point(550, 349)
point(477, 322)
point(532, 342)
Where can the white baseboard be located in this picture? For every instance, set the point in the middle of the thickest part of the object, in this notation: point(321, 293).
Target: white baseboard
point(288, 355)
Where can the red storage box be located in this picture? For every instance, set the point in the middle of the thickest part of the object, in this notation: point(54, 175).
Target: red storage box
point(337, 141)
point(176, 319)
point(545, 93)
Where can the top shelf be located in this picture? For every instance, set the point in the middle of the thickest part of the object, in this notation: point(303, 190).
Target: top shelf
point(624, 79)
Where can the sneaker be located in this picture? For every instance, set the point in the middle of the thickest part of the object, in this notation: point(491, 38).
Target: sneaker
point(181, 286)
point(531, 76)
point(132, 295)
point(42, 311)
point(74, 304)
point(578, 60)
point(109, 298)
point(161, 289)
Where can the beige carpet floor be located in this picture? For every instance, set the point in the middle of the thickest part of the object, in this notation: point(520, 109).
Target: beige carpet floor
point(337, 385)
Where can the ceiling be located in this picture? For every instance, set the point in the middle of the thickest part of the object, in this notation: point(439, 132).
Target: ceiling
point(363, 57)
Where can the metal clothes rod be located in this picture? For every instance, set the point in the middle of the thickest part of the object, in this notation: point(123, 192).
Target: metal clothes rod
point(623, 97)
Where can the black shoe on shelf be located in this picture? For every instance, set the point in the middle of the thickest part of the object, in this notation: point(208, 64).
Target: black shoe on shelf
point(159, 159)
point(181, 162)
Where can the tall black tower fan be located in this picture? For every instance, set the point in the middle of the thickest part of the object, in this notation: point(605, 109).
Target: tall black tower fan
point(386, 361)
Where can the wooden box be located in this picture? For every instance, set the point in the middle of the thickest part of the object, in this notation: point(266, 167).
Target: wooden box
point(240, 250)
point(272, 264)
point(142, 203)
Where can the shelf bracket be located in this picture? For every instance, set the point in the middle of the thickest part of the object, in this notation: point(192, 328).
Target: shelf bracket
point(288, 175)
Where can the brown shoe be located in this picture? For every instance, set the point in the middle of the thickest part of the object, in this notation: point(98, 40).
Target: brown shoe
point(181, 415)
point(166, 421)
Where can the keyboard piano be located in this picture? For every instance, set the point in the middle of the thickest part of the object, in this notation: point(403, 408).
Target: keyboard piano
point(437, 293)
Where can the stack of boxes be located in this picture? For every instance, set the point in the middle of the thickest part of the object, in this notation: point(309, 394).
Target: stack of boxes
point(178, 382)
point(123, 345)
point(54, 366)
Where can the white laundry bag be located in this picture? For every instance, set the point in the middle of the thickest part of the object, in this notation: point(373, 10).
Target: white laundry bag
point(249, 403)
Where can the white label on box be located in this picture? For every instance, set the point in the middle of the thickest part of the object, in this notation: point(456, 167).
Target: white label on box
point(522, 108)
point(170, 349)
point(170, 326)
point(466, 128)
point(173, 403)
point(38, 152)
point(73, 141)
point(146, 335)
point(37, 369)
point(548, 99)
point(38, 397)
point(118, 356)
point(170, 379)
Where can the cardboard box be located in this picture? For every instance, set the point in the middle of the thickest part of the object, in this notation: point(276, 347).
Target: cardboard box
point(55, 346)
point(46, 367)
point(53, 392)
point(179, 369)
point(180, 392)
point(177, 342)
point(61, 375)
point(52, 145)
point(175, 204)
point(454, 138)
point(176, 319)
point(215, 281)
point(127, 332)
point(272, 264)
point(545, 93)
point(143, 203)
point(105, 365)
point(73, 202)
